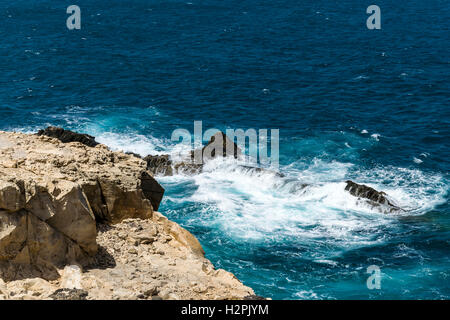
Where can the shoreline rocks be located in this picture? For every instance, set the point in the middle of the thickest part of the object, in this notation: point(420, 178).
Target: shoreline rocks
point(66, 200)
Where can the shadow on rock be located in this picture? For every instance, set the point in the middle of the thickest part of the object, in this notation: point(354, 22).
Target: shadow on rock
point(102, 260)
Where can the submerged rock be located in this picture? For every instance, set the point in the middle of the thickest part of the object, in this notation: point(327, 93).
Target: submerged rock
point(374, 197)
point(67, 136)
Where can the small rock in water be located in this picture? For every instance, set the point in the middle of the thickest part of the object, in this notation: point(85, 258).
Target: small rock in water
point(375, 197)
point(69, 294)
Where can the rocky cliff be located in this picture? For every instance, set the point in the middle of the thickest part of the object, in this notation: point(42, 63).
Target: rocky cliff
point(78, 221)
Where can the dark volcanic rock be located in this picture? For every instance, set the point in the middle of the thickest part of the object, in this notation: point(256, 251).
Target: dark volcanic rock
point(66, 136)
point(163, 165)
point(376, 197)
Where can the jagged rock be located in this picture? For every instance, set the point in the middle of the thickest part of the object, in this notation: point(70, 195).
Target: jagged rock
point(163, 165)
point(67, 136)
point(69, 294)
point(171, 266)
point(218, 141)
point(27, 241)
point(159, 165)
point(374, 197)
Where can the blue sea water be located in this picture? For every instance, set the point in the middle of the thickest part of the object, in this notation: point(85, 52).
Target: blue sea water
point(350, 103)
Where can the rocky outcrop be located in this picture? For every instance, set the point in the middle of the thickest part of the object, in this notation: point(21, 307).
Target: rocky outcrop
point(218, 142)
point(67, 136)
point(163, 165)
point(80, 222)
point(52, 194)
point(373, 197)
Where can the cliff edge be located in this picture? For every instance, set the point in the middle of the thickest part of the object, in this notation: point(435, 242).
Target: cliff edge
point(78, 221)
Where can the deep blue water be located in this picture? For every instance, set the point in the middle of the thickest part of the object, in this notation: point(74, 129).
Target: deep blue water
point(369, 105)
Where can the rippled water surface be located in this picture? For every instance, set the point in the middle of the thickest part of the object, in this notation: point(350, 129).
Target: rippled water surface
point(350, 103)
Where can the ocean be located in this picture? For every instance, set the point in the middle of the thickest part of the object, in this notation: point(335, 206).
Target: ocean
point(350, 103)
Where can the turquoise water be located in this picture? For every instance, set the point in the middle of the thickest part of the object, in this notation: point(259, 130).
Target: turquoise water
point(350, 103)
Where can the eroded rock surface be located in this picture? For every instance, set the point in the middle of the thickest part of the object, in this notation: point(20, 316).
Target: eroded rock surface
point(52, 193)
point(149, 259)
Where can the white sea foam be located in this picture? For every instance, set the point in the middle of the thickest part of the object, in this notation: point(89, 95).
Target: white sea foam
point(250, 205)
point(261, 206)
point(376, 136)
point(136, 143)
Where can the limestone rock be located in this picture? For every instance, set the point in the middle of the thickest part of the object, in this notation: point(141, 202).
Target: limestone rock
point(51, 199)
point(172, 266)
point(71, 277)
